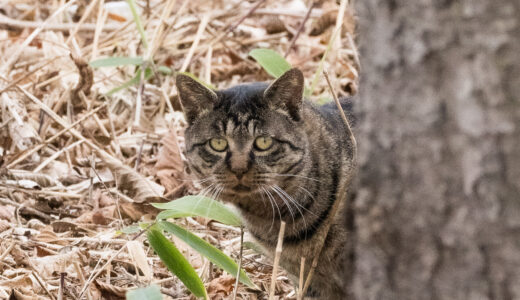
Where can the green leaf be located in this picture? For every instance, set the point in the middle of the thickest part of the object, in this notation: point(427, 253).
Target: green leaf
point(198, 206)
point(152, 292)
point(116, 61)
point(135, 80)
point(213, 254)
point(137, 20)
point(176, 262)
point(165, 70)
point(130, 229)
point(271, 61)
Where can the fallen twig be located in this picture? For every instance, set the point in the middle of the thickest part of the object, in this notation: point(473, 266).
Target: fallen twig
point(300, 282)
point(277, 254)
point(56, 27)
point(299, 30)
point(239, 262)
point(51, 139)
point(43, 285)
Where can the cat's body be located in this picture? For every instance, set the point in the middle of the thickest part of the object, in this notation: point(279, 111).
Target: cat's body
point(283, 158)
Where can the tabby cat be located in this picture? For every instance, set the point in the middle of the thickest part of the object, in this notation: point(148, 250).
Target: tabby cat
point(275, 157)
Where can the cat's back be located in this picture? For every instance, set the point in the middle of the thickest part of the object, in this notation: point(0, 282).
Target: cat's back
point(327, 117)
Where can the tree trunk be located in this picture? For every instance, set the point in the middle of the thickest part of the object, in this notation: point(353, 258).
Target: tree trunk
point(437, 204)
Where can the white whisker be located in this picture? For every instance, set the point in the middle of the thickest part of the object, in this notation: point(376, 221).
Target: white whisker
point(296, 204)
point(287, 204)
point(274, 201)
point(216, 191)
point(272, 206)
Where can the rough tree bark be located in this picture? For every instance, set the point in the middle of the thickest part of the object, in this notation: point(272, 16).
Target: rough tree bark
point(437, 203)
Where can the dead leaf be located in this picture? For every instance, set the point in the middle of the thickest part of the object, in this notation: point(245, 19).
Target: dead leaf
point(143, 189)
point(49, 265)
point(41, 252)
point(105, 200)
point(20, 131)
point(64, 226)
point(40, 179)
point(35, 224)
point(105, 215)
point(7, 213)
point(135, 211)
point(48, 236)
point(4, 225)
point(19, 256)
point(112, 289)
point(219, 288)
point(136, 251)
point(85, 218)
point(169, 167)
point(273, 24)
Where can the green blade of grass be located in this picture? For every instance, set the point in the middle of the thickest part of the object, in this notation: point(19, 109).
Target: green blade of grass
point(209, 251)
point(317, 75)
point(271, 61)
point(130, 229)
point(116, 61)
point(137, 20)
point(135, 80)
point(176, 262)
point(198, 206)
point(152, 292)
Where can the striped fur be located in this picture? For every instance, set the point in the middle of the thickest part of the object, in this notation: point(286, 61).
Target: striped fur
point(297, 180)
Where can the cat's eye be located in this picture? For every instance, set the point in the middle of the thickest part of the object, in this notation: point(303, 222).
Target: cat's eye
point(218, 144)
point(263, 143)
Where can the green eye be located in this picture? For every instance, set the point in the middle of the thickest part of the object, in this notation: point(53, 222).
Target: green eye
point(218, 144)
point(263, 143)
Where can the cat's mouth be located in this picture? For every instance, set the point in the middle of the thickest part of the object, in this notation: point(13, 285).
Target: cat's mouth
point(241, 188)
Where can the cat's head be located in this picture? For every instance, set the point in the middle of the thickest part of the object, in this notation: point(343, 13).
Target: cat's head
point(244, 138)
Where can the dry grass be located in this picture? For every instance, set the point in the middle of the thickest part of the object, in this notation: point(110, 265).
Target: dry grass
point(76, 165)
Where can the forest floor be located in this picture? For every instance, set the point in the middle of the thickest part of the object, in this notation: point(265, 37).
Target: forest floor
point(63, 204)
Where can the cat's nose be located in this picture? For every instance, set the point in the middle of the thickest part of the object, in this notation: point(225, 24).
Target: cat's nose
point(238, 164)
point(239, 173)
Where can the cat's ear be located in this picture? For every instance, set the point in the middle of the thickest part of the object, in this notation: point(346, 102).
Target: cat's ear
point(287, 93)
point(196, 99)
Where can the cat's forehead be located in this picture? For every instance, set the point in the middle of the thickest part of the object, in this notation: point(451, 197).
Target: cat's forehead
point(241, 124)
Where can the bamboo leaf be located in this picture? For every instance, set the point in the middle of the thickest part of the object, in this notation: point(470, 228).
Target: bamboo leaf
point(176, 262)
point(209, 251)
point(271, 61)
point(198, 206)
point(152, 292)
point(116, 61)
